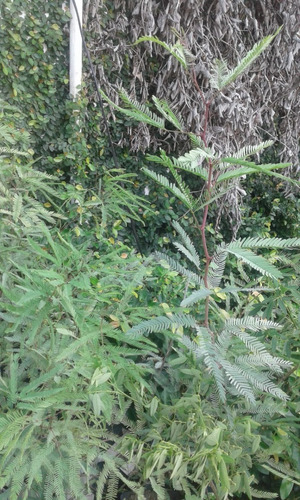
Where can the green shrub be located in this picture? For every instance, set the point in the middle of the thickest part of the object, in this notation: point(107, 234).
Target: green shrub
point(71, 385)
point(228, 344)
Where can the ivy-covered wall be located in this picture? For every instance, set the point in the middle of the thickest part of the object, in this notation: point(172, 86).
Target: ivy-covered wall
point(34, 68)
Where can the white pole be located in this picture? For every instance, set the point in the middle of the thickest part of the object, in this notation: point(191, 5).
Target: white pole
point(75, 48)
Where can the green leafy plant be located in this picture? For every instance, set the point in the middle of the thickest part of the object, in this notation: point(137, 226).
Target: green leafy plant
point(227, 346)
point(71, 385)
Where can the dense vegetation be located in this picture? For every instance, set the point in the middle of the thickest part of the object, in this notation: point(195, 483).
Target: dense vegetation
point(170, 375)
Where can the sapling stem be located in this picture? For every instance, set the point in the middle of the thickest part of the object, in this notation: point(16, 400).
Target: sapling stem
point(208, 187)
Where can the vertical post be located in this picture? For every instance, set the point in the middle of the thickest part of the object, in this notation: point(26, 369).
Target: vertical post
point(75, 71)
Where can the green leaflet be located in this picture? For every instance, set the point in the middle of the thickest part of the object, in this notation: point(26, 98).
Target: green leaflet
point(138, 111)
point(189, 250)
point(177, 50)
point(266, 243)
point(161, 323)
point(195, 297)
point(226, 79)
point(255, 261)
point(166, 111)
point(163, 181)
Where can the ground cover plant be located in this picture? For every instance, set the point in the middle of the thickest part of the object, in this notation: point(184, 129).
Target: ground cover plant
point(64, 309)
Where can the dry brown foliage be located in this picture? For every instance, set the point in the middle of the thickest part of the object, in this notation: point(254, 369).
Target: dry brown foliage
point(263, 103)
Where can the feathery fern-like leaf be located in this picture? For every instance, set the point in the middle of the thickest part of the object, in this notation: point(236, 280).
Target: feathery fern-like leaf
point(258, 242)
point(161, 323)
point(11, 151)
point(216, 267)
point(194, 157)
point(194, 257)
point(252, 150)
point(167, 112)
point(218, 74)
point(262, 494)
point(163, 181)
point(163, 159)
point(238, 380)
point(250, 167)
point(203, 348)
point(182, 185)
point(186, 253)
point(247, 168)
point(175, 266)
point(280, 470)
point(177, 50)
point(273, 363)
point(256, 50)
point(137, 111)
point(196, 296)
point(255, 261)
point(251, 323)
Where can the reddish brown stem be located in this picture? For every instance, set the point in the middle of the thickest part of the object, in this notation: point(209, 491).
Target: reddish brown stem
point(206, 113)
point(194, 78)
point(208, 188)
point(203, 235)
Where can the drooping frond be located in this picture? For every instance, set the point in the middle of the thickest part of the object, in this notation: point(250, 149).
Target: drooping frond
point(262, 494)
point(203, 349)
point(158, 489)
point(137, 111)
point(238, 380)
point(255, 261)
point(252, 343)
point(102, 481)
point(196, 141)
point(112, 486)
point(251, 167)
point(257, 49)
point(172, 165)
point(266, 243)
point(263, 411)
point(215, 368)
point(165, 160)
point(194, 157)
point(186, 253)
point(177, 50)
point(262, 381)
point(161, 323)
point(216, 267)
point(251, 323)
point(162, 159)
point(175, 266)
point(273, 363)
point(182, 186)
point(9, 151)
point(196, 170)
point(281, 470)
point(141, 108)
point(252, 150)
point(196, 296)
point(247, 168)
point(246, 373)
point(192, 254)
point(163, 181)
point(167, 112)
point(218, 74)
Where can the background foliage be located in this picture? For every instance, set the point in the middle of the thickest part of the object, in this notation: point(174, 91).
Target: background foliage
point(95, 414)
